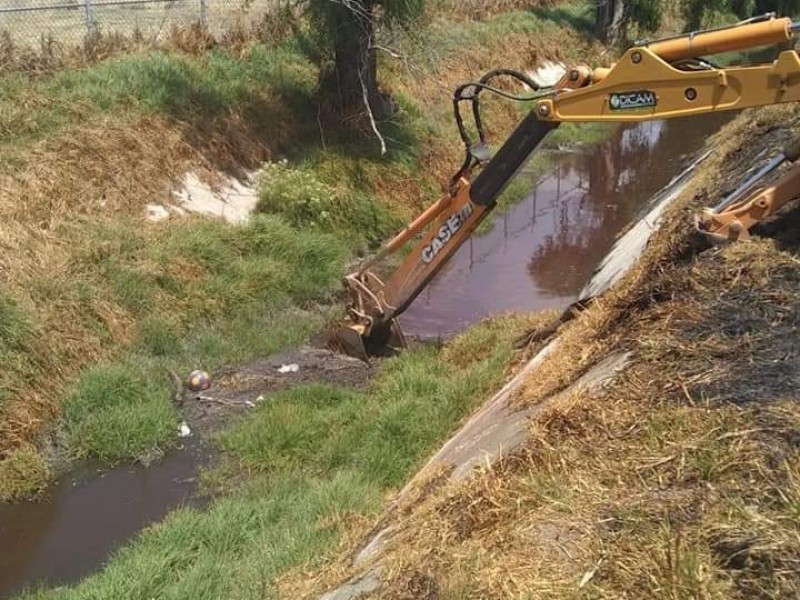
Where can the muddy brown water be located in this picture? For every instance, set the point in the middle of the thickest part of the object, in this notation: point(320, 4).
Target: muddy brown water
point(540, 252)
point(537, 254)
point(87, 514)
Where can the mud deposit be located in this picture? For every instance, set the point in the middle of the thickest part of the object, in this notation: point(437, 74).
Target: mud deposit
point(71, 531)
point(540, 252)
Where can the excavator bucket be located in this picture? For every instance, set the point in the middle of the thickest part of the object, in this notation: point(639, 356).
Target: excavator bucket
point(348, 339)
point(353, 340)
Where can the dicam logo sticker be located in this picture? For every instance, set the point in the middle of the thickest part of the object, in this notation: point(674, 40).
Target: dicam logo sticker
point(633, 100)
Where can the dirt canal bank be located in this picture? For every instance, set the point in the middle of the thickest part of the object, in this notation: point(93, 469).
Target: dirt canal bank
point(538, 254)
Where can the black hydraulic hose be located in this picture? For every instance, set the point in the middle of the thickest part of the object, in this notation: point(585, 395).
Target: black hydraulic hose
point(475, 88)
point(483, 84)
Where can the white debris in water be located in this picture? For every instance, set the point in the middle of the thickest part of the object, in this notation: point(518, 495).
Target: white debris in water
point(293, 368)
point(157, 213)
point(548, 73)
point(233, 201)
point(183, 430)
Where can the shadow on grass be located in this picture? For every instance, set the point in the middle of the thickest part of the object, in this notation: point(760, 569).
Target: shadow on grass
point(288, 122)
point(578, 17)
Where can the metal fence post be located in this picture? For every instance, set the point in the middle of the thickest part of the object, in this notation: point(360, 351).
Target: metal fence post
point(203, 15)
point(91, 28)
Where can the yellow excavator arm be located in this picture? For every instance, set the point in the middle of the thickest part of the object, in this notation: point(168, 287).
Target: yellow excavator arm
point(665, 79)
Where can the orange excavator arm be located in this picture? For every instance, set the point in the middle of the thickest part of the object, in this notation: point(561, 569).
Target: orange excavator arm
point(660, 80)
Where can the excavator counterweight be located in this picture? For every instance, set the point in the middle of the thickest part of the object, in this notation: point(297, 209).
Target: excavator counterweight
point(657, 80)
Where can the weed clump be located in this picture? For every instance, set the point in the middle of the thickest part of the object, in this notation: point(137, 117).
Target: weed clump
point(119, 411)
point(301, 197)
point(23, 473)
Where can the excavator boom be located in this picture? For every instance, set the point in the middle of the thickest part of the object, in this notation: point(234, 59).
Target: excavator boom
point(652, 81)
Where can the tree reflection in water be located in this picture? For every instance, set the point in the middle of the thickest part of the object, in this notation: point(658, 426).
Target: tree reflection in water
point(605, 190)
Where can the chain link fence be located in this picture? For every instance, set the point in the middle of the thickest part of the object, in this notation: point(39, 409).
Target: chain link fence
point(27, 22)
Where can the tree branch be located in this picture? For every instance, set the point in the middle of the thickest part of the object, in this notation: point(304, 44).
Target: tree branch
point(372, 122)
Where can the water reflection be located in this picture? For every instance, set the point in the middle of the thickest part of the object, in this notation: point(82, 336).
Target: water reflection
point(540, 252)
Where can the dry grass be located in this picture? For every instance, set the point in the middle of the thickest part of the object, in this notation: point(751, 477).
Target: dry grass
point(680, 480)
point(51, 54)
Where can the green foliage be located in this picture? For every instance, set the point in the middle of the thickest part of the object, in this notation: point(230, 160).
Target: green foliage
point(159, 337)
point(297, 195)
point(119, 411)
point(315, 454)
point(183, 88)
point(304, 200)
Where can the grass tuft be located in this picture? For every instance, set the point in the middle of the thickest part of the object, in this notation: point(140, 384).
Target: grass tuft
point(23, 473)
point(119, 411)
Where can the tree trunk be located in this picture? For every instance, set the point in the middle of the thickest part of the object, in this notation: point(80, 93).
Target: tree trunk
point(355, 69)
point(609, 20)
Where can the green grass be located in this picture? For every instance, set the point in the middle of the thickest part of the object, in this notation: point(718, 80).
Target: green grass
point(118, 412)
point(315, 454)
point(299, 195)
point(17, 331)
point(381, 433)
point(183, 88)
point(23, 473)
point(237, 306)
